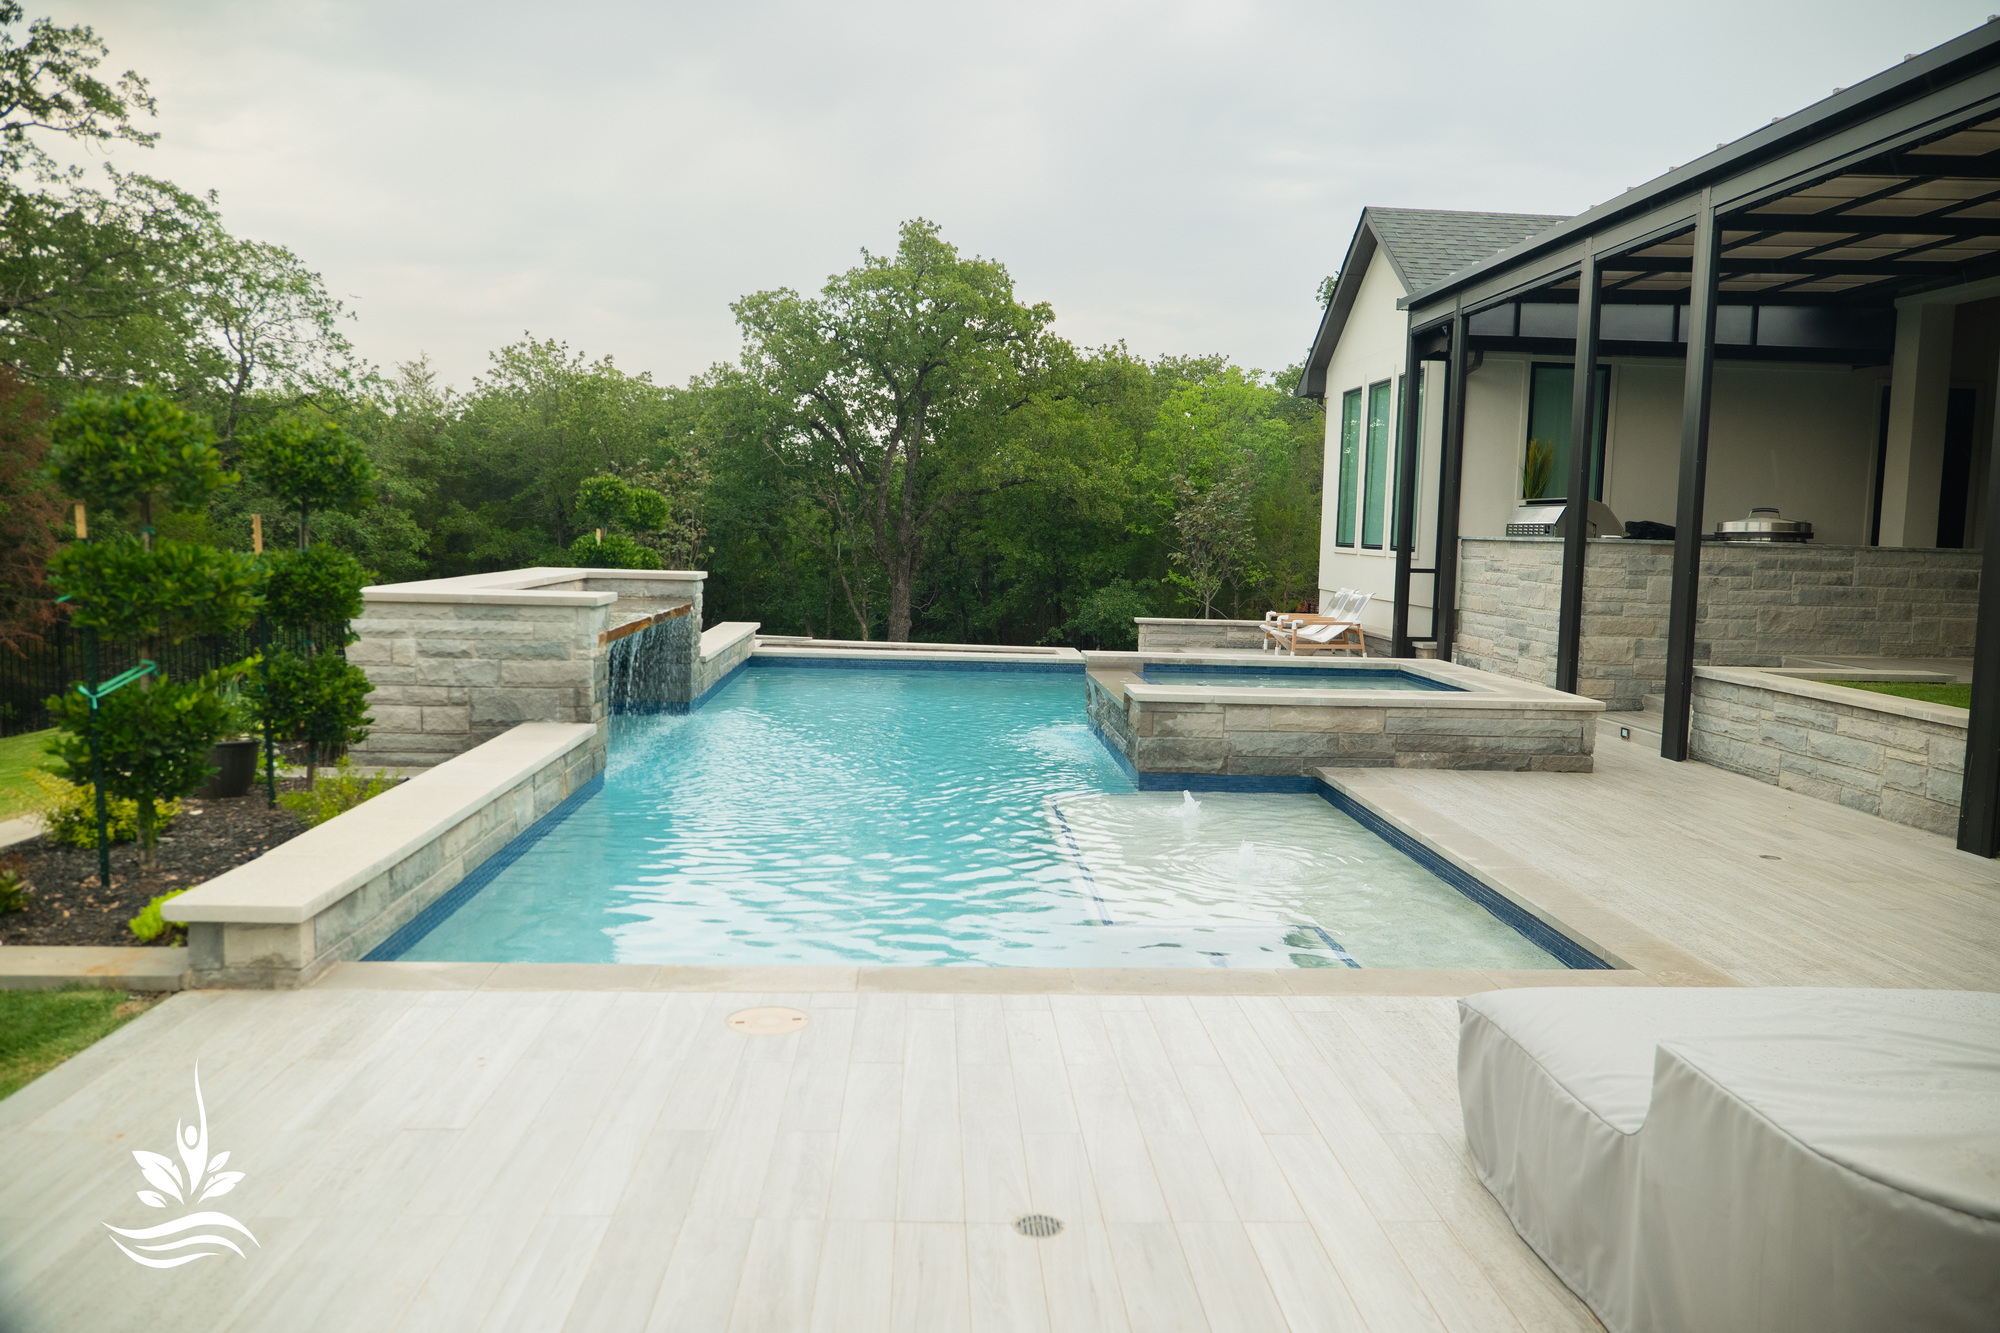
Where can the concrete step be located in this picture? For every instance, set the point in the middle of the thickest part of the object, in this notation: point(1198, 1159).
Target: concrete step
point(46, 966)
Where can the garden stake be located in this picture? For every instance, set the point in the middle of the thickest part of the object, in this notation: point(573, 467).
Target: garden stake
point(264, 675)
point(94, 693)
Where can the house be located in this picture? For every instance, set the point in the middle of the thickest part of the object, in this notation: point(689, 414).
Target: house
point(1806, 319)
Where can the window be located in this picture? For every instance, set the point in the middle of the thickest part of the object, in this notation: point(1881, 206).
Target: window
point(1374, 505)
point(1350, 466)
point(1415, 406)
point(1545, 467)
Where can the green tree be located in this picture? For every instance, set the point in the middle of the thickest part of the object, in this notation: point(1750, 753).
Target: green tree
point(135, 451)
point(29, 512)
point(891, 396)
point(147, 744)
point(49, 85)
point(311, 465)
point(151, 745)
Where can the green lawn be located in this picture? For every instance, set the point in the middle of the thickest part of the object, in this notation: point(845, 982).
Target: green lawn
point(18, 754)
point(39, 1029)
point(1952, 696)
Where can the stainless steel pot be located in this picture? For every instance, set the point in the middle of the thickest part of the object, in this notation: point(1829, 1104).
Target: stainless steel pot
point(1763, 525)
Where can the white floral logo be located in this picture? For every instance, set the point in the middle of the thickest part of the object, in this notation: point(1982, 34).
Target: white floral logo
point(198, 1176)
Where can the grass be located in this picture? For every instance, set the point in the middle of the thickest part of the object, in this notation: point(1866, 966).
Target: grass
point(1952, 696)
point(18, 754)
point(39, 1029)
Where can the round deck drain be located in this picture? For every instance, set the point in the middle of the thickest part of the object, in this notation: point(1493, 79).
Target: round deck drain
point(1038, 1225)
point(767, 1021)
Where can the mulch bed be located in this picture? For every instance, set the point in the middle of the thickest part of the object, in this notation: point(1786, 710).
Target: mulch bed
point(68, 906)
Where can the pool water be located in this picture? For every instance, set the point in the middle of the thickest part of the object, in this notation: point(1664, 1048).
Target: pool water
point(1289, 678)
point(963, 817)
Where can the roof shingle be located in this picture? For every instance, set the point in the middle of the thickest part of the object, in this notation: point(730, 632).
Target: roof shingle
point(1427, 245)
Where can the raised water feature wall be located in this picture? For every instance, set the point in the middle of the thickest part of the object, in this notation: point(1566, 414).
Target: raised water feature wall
point(456, 662)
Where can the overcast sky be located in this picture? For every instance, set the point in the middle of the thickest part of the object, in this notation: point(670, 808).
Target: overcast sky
point(1176, 175)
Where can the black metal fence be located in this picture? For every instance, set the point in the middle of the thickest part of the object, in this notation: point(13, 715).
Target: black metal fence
point(59, 663)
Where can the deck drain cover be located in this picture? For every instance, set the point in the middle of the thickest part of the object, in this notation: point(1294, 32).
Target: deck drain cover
point(1038, 1225)
point(767, 1021)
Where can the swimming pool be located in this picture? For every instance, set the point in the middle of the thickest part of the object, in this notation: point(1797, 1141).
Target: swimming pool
point(1291, 678)
point(885, 815)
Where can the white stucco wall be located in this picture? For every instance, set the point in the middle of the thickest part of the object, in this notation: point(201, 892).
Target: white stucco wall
point(1371, 349)
point(1798, 437)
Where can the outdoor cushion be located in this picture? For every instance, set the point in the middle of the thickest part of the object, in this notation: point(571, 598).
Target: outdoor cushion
point(1723, 1159)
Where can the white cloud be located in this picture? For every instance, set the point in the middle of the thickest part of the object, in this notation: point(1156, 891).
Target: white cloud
point(1177, 175)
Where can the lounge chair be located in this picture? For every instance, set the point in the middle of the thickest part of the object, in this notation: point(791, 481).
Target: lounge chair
point(1340, 632)
point(1277, 623)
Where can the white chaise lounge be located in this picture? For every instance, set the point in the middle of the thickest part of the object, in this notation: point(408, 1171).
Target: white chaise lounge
point(1704, 1161)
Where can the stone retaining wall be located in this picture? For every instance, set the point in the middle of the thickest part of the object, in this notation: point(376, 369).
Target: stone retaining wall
point(1758, 605)
point(338, 890)
point(1896, 758)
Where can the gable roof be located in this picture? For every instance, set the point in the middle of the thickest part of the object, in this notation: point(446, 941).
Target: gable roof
point(1423, 246)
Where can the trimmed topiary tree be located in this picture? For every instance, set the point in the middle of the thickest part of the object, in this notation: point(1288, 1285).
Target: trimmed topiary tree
point(605, 504)
point(142, 737)
point(315, 697)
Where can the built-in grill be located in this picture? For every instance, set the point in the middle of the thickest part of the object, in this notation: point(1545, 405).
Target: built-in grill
point(1763, 525)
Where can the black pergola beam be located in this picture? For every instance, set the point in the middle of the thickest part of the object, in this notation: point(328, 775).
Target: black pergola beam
point(1684, 604)
point(1409, 437)
point(1979, 796)
point(1823, 224)
point(1582, 448)
point(1805, 268)
point(1451, 471)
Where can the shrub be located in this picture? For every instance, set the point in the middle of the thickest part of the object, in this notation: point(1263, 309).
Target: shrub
point(69, 812)
point(15, 893)
point(617, 551)
point(152, 743)
point(334, 794)
point(149, 925)
point(313, 587)
point(321, 701)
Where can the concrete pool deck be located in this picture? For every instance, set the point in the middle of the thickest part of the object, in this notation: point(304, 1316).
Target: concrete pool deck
point(471, 1146)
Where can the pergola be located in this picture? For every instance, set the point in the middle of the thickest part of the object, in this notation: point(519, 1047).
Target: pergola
point(1816, 225)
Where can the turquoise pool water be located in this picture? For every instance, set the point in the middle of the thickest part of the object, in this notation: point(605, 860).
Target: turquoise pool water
point(962, 817)
point(1290, 678)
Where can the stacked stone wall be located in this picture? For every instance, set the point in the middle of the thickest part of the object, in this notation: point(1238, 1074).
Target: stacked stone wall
point(1902, 768)
point(1759, 604)
point(452, 675)
point(1187, 635)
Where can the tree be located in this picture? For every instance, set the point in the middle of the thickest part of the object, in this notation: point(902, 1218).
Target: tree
point(148, 744)
point(136, 450)
point(1217, 543)
point(607, 503)
point(890, 395)
point(29, 512)
point(47, 85)
point(311, 465)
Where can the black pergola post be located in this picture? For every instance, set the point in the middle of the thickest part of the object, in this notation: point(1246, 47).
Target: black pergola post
point(1582, 442)
point(1696, 382)
point(1451, 470)
point(1409, 437)
point(1979, 797)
